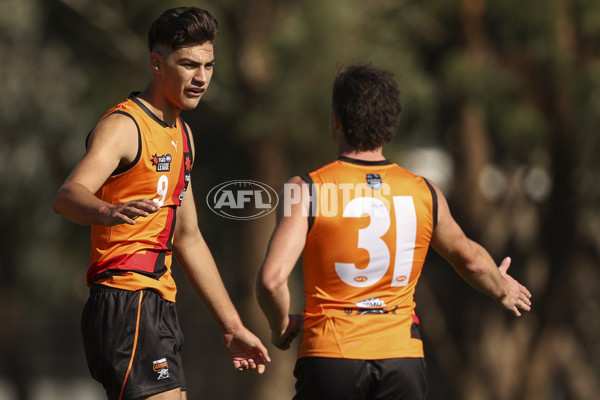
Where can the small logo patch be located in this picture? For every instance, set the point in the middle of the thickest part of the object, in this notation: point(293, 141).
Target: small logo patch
point(187, 169)
point(374, 180)
point(371, 302)
point(161, 367)
point(162, 163)
point(372, 305)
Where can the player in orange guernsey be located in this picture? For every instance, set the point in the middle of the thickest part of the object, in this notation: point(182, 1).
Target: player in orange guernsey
point(363, 226)
point(133, 187)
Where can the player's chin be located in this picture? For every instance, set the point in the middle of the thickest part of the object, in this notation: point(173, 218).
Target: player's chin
point(189, 103)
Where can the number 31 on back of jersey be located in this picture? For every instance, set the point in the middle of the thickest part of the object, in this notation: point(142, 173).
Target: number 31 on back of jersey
point(370, 239)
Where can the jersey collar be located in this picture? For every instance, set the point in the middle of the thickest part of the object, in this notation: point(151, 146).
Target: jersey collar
point(134, 97)
point(364, 162)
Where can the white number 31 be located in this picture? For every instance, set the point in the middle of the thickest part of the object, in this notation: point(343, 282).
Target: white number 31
point(369, 238)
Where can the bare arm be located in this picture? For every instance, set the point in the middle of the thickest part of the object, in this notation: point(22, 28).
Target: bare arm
point(475, 265)
point(114, 142)
point(244, 348)
point(285, 247)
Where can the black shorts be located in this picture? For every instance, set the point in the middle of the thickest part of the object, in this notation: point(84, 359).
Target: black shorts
point(319, 378)
point(132, 342)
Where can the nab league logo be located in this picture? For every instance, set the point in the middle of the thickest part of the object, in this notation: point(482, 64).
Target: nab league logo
point(374, 180)
point(162, 163)
point(242, 199)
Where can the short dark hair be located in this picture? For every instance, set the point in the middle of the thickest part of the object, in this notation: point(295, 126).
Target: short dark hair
point(182, 27)
point(367, 101)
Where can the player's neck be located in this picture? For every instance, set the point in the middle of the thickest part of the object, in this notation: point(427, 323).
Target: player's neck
point(159, 105)
point(372, 155)
point(345, 150)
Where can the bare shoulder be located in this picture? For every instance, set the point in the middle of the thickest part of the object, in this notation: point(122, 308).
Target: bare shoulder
point(294, 200)
point(295, 188)
point(297, 180)
point(443, 208)
point(117, 135)
point(112, 143)
point(448, 238)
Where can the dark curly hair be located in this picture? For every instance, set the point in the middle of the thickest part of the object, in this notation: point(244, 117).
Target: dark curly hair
point(182, 27)
point(367, 101)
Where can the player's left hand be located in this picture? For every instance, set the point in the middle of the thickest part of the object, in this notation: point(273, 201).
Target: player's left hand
point(246, 350)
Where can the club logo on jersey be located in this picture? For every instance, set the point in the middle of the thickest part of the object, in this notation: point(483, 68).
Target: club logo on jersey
point(372, 305)
point(162, 163)
point(188, 163)
point(374, 180)
point(187, 170)
point(371, 302)
point(365, 311)
point(242, 199)
point(161, 367)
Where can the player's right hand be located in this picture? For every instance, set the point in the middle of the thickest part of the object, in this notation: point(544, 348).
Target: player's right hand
point(246, 350)
point(283, 341)
point(127, 213)
point(517, 296)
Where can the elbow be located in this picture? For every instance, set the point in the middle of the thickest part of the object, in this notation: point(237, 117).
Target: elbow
point(465, 258)
point(474, 269)
point(467, 267)
point(57, 206)
point(265, 286)
point(268, 285)
point(62, 200)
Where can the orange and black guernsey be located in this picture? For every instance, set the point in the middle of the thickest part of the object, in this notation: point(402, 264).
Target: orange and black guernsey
point(133, 257)
point(370, 226)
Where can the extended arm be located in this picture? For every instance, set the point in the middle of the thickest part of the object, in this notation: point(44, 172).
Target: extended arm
point(244, 348)
point(114, 142)
point(284, 249)
point(475, 265)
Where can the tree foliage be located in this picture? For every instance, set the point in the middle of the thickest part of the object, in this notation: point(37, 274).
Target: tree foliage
point(500, 110)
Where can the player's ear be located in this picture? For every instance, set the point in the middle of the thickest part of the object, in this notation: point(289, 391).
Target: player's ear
point(155, 61)
point(336, 123)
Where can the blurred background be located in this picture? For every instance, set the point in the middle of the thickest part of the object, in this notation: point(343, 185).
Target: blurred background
point(501, 110)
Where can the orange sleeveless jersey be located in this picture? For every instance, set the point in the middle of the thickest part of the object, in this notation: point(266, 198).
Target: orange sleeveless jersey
point(371, 224)
point(139, 256)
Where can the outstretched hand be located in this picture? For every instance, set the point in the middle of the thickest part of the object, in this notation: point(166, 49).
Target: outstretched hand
point(517, 296)
point(283, 341)
point(246, 350)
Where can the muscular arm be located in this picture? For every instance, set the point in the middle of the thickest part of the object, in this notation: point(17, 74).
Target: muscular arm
point(284, 249)
point(196, 260)
point(474, 264)
point(114, 142)
point(194, 257)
